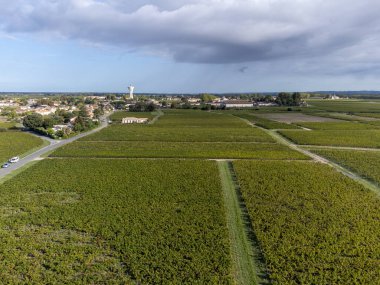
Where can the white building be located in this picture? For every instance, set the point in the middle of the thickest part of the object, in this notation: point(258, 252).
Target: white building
point(237, 104)
point(134, 120)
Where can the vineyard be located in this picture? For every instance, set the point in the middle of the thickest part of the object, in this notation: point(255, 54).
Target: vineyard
point(356, 138)
point(314, 225)
point(370, 115)
point(117, 116)
point(176, 134)
point(114, 221)
point(16, 143)
point(365, 163)
point(144, 204)
point(265, 123)
point(199, 119)
point(6, 125)
point(177, 149)
point(337, 126)
point(185, 126)
point(352, 106)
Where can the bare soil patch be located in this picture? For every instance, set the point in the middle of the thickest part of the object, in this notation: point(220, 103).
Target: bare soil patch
point(294, 118)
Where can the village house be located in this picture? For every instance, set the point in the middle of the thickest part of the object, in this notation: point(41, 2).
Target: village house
point(45, 110)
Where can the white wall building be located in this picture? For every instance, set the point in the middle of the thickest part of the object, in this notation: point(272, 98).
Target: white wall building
point(237, 104)
point(134, 120)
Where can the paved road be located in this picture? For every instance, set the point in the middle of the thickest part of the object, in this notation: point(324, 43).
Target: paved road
point(54, 144)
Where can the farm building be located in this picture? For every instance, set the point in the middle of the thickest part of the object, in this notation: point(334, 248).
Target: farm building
point(237, 104)
point(134, 120)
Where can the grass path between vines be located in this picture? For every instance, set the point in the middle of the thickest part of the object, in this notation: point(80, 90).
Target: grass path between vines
point(282, 140)
point(159, 114)
point(247, 258)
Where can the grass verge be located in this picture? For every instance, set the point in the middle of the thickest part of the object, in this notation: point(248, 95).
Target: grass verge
point(244, 255)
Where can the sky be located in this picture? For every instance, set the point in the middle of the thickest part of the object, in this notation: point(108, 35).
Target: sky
point(189, 46)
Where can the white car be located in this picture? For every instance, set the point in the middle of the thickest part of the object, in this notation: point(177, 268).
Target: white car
point(14, 159)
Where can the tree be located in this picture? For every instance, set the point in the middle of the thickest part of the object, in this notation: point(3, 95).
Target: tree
point(79, 124)
point(51, 120)
point(150, 107)
point(33, 121)
point(10, 112)
point(205, 97)
point(288, 99)
point(111, 97)
point(119, 104)
point(296, 96)
point(98, 112)
point(83, 112)
point(142, 107)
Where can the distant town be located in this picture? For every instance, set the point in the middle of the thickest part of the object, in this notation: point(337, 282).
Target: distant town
point(63, 114)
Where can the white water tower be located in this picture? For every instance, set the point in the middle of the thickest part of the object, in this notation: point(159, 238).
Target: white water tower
point(131, 88)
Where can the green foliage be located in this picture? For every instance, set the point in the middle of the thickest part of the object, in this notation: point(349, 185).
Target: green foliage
point(337, 126)
point(315, 226)
point(354, 106)
point(51, 120)
point(119, 115)
point(65, 115)
point(354, 138)
point(142, 107)
point(369, 115)
point(289, 99)
point(343, 116)
point(7, 125)
point(98, 113)
point(177, 134)
point(119, 105)
point(205, 97)
point(33, 121)
point(9, 112)
point(177, 149)
point(105, 221)
point(16, 143)
point(185, 126)
point(265, 123)
point(82, 124)
point(199, 119)
point(365, 163)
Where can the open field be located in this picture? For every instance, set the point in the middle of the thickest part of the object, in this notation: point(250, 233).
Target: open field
point(264, 123)
point(185, 126)
point(7, 125)
point(117, 116)
point(357, 138)
point(315, 225)
point(353, 106)
point(111, 221)
point(370, 115)
point(366, 164)
point(16, 143)
point(338, 126)
point(199, 119)
point(177, 134)
point(177, 150)
point(139, 204)
point(344, 116)
point(294, 118)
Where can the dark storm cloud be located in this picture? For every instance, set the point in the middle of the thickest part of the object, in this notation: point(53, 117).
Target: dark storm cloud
point(213, 31)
